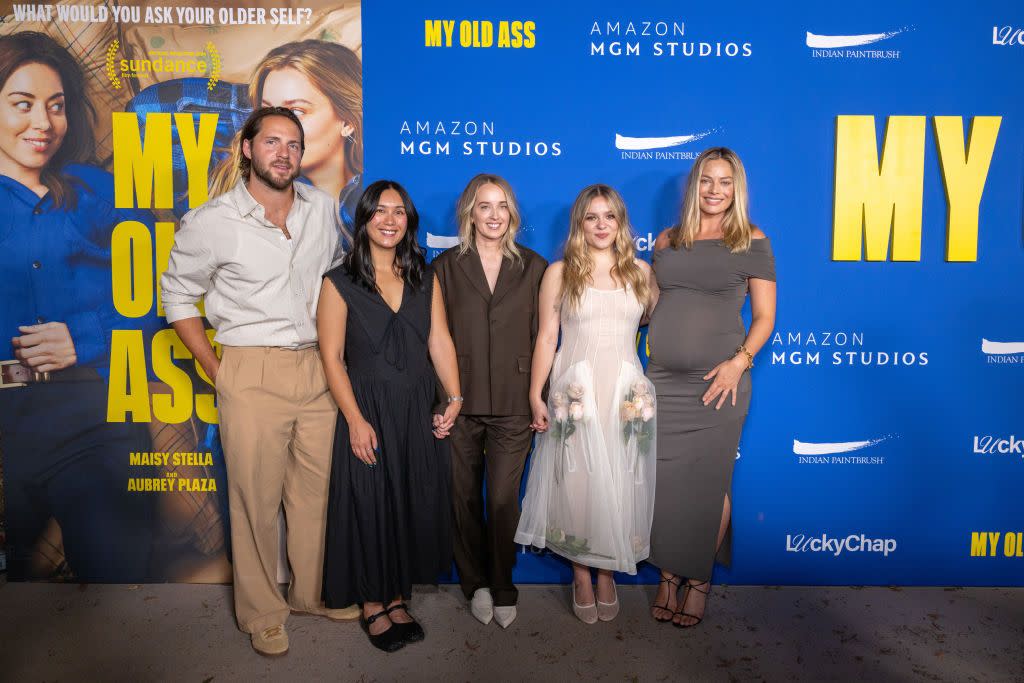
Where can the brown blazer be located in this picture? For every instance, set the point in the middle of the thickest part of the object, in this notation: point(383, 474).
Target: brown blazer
point(494, 333)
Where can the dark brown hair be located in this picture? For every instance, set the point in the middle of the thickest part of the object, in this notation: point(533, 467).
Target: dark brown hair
point(79, 143)
point(251, 128)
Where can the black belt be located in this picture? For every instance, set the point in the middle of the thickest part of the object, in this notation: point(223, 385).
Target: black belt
point(14, 373)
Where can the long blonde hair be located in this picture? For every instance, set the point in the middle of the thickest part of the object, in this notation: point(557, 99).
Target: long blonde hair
point(334, 70)
point(464, 216)
point(578, 264)
point(736, 225)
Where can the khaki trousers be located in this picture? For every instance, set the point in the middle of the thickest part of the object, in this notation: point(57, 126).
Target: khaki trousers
point(277, 422)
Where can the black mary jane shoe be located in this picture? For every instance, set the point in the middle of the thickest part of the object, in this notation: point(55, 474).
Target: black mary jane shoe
point(390, 640)
point(411, 632)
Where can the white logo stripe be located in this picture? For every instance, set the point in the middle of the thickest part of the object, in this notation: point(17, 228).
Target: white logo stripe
point(624, 142)
point(814, 40)
point(441, 241)
point(1001, 348)
point(802, 448)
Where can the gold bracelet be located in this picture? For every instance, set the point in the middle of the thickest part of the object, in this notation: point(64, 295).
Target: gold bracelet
point(750, 357)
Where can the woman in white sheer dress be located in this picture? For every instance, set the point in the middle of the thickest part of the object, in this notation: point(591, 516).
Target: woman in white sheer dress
point(590, 493)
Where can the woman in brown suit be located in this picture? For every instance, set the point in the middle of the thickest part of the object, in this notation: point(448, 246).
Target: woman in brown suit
point(490, 286)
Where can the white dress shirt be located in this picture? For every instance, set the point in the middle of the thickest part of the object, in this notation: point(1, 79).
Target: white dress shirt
point(260, 288)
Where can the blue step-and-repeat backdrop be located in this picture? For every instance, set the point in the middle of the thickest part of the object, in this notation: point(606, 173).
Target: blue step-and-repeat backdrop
point(883, 146)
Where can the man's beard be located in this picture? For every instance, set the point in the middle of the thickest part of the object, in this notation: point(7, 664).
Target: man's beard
point(265, 173)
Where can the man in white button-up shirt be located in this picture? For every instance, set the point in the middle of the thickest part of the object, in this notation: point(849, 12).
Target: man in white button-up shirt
point(256, 255)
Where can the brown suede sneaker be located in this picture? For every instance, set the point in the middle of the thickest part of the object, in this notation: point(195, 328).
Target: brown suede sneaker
point(271, 642)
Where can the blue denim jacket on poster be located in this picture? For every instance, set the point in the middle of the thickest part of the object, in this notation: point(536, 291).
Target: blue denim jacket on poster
point(55, 265)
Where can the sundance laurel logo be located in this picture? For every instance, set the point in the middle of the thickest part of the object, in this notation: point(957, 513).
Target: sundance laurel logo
point(205, 63)
point(854, 543)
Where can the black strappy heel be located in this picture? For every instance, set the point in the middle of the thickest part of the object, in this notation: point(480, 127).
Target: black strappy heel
point(680, 612)
point(676, 582)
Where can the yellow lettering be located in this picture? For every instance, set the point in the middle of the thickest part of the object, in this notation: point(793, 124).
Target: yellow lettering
point(878, 203)
point(197, 149)
point(530, 39)
point(432, 30)
point(206, 408)
point(164, 244)
point(127, 390)
point(142, 172)
point(175, 407)
point(131, 270)
point(979, 541)
point(964, 173)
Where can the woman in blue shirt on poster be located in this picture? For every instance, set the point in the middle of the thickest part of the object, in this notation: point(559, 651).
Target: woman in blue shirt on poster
point(62, 459)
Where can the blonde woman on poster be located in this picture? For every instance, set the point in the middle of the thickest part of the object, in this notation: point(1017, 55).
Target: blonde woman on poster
point(321, 83)
point(590, 493)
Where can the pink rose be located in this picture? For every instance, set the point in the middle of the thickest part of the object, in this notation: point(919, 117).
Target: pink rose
point(576, 410)
point(575, 391)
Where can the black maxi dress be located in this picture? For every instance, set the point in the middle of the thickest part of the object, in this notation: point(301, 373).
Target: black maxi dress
point(388, 526)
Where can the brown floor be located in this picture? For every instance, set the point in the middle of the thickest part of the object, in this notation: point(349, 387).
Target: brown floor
point(170, 632)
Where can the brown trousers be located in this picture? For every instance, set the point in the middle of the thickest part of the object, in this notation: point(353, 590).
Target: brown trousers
point(277, 422)
point(485, 555)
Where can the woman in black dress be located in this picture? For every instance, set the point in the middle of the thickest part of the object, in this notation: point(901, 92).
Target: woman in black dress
point(381, 322)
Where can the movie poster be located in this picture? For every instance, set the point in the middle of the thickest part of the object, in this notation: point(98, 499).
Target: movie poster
point(117, 118)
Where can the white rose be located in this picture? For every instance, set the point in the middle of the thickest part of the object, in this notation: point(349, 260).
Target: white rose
point(638, 404)
point(575, 391)
point(558, 398)
point(561, 412)
point(576, 410)
point(647, 413)
point(639, 388)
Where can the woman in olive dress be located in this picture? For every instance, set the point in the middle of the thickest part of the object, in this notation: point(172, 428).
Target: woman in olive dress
point(700, 358)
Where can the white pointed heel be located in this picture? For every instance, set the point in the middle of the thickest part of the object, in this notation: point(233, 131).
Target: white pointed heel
point(482, 605)
point(505, 615)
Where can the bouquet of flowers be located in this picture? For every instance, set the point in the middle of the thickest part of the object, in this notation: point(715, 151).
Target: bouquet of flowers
point(567, 411)
point(637, 411)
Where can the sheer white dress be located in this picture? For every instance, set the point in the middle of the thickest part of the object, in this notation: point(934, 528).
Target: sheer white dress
point(590, 492)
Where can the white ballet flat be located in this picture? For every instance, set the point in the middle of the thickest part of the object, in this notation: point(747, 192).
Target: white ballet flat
point(606, 611)
point(505, 615)
point(482, 606)
point(585, 613)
